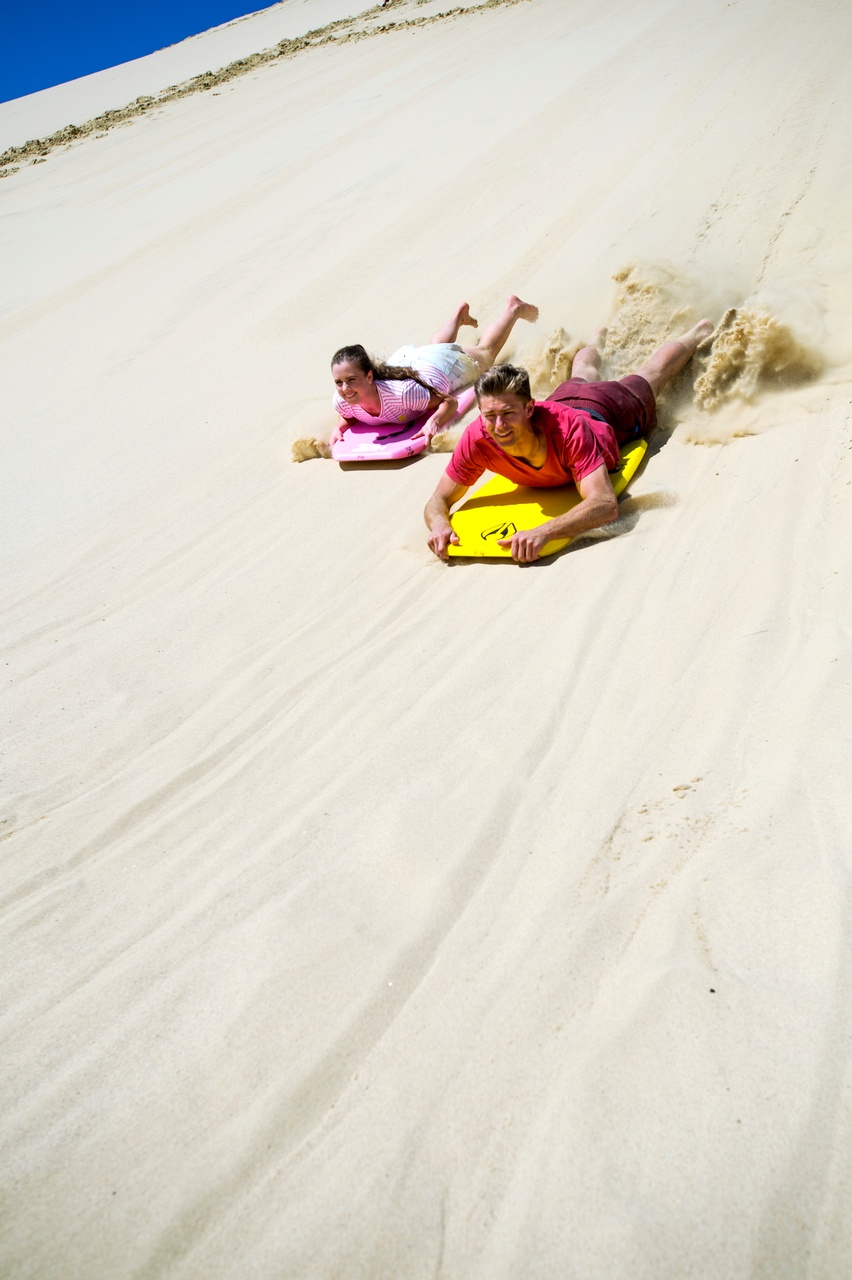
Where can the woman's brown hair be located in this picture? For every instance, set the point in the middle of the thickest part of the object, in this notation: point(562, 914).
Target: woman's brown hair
point(387, 372)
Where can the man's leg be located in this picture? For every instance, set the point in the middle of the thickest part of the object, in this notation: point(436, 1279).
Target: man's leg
point(587, 361)
point(450, 331)
point(495, 335)
point(672, 356)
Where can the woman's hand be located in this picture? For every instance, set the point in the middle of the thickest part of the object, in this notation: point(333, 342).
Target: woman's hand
point(337, 433)
point(442, 417)
point(427, 431)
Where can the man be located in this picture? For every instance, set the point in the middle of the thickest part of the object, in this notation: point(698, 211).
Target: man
point(574, 436)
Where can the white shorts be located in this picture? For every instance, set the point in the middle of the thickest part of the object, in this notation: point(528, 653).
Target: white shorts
point(447, 358)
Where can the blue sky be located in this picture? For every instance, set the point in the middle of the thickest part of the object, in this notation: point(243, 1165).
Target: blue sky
point(42, 44)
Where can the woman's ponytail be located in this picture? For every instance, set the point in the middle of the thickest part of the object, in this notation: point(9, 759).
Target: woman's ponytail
point(384, 372)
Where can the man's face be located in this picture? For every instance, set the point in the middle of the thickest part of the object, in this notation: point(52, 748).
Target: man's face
point(507, 420)
point(354, 386)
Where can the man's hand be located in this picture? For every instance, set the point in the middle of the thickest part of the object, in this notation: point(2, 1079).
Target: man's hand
point(599, 506)
point(437, 515)
point(439, 539)
point(527, 544)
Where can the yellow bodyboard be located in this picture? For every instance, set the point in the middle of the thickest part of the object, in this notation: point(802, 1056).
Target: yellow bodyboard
point(501, 507)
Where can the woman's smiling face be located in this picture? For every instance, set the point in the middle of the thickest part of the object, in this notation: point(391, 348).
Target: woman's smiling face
point(353, 385)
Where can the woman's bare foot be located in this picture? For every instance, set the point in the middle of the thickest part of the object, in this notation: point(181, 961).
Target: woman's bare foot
point(521, 310)
point(449, 332)
point(494, 336)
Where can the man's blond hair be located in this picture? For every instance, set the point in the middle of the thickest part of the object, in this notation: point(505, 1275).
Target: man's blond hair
point(502, 380)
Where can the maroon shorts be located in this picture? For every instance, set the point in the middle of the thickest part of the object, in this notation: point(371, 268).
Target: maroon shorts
point(628, 406)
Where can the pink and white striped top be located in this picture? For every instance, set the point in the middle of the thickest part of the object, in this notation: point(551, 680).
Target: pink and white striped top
point(400, 401)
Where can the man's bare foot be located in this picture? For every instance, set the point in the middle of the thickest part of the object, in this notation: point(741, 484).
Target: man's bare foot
point(463, 317)
point(725, 323)
point(696, 335)
point(520, 309)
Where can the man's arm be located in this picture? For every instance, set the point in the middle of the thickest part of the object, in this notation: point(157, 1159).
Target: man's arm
point(437, 514)
point(599, 506)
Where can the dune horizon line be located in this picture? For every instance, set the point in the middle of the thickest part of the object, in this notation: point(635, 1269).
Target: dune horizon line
point(339, 31)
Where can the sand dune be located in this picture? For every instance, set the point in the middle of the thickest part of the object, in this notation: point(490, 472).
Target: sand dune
point(366, 916)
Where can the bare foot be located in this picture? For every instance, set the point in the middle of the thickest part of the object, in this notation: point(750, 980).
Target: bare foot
point(464, 318)
point(600, 337)
point(521, 310)
point(725, 323)
point(696, 335)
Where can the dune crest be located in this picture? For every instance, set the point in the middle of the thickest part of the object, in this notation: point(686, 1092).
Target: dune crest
point(371, 22)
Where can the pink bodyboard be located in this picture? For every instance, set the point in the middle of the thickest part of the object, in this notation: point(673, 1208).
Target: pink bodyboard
point(389, 442)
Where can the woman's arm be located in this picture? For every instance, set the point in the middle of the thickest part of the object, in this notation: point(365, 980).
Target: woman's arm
point(443, 412)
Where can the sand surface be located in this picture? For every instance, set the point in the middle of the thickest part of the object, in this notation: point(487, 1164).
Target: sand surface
point(369, 917)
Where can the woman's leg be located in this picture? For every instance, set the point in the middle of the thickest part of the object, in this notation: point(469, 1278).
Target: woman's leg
point(450, 331)
point(495, 335)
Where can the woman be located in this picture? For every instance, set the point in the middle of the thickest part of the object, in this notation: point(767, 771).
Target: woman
point(417, 380)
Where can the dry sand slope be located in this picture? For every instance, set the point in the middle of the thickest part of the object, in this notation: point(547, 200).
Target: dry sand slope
point(368, 917)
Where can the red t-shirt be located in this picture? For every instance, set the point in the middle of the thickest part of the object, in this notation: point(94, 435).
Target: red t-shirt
point(576, 445)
